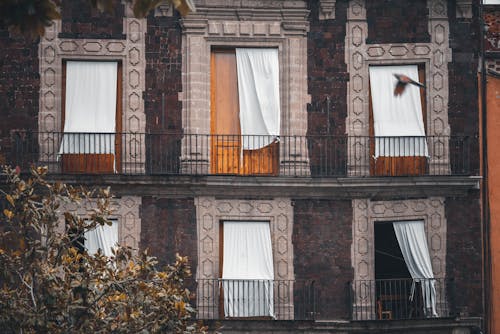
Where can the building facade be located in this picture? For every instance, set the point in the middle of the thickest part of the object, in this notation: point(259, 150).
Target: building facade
point(274, 119)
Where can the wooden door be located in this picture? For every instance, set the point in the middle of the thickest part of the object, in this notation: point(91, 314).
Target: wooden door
point(227, 156)
point(93, 163)
point(398, 166)
point(224, 114)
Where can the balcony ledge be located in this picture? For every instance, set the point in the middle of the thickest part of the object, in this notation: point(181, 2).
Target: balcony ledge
point(296, 187)
point(443, 325)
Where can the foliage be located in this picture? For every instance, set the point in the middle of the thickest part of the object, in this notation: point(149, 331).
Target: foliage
point(49, 283)
point(31, 17)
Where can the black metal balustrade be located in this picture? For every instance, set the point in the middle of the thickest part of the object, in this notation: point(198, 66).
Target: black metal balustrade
point(396, 299)
point(196, 154)
point(251, 299)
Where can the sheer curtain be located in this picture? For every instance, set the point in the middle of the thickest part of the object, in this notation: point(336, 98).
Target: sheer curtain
point(90, 107)
point(259, 96)
point(396, 116)
point(248, 274)
point(103, 237)
point(413, 243)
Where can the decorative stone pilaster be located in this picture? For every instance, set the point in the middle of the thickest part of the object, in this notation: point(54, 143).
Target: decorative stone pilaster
point(211, 212)
point(434, 55)
point(130, 52)
point(283, 25)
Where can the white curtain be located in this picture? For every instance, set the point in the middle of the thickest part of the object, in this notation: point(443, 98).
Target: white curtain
point(259, 96)
point(397, 117)
point(90, 107)
point(413, 243)
point(248, 274)
point(103, 237)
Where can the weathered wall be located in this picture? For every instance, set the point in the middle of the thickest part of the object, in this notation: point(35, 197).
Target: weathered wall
point(464, 253)
point(19, 85)
point(169, 227)
point(322, 238)
point(493, 132)
point(463, 119)
point(163, 74)
point(80, 20)
point(327, 72)
point(395, 21)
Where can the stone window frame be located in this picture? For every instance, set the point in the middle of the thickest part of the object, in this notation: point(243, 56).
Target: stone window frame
point(126, 210)
point(367, 212)
point(130, 51)
point(285, 29)
point(359, 56)
point(211, 212)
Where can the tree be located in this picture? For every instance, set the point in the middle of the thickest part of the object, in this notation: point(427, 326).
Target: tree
point(30, 17)
point(51, 284)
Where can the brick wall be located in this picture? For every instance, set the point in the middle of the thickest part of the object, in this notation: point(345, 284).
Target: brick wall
point(19, 86)
point(169, 227)
point(463, 262)
point(327, 79)
point(322, 240)
point(396, 21)
point(327, 72)
point(163, 74)
point(463, 83)
point(81, 20)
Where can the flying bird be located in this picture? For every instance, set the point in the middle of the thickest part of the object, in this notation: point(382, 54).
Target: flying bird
point(403, 81)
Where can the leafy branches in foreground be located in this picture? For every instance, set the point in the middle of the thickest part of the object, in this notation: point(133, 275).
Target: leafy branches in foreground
point(49, 283)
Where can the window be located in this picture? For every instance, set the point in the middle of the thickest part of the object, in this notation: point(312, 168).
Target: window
point(91, 117)
point(245, 111)
point(404, 280)
point(247, 269)
point(103, 237)
point(397, 122)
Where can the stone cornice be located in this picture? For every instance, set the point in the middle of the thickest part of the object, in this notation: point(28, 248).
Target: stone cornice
point(256, 187)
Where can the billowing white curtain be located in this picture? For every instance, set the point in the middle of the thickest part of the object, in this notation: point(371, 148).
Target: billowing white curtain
point(413, 243)
point(90, 107)
point(102, 237)
point(397, 120)
point(248, 274)
point(259, 96)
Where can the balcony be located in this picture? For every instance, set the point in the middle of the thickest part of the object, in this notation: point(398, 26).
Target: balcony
point(222, 299)
point(400, 299)
point(290, 156)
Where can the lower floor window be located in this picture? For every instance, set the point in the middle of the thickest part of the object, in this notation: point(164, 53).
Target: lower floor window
point(247, 269)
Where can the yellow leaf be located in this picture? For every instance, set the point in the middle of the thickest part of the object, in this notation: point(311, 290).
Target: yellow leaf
point(10, 199)
point(8, 213)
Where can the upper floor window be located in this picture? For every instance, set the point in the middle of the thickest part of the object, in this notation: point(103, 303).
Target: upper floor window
point(91, 114)
point(398, 121)
point(245, 110)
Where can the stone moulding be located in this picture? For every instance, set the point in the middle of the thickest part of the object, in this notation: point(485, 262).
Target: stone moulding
point(125, 210)
point(211, 212)
point(130, 51)
point(274, 25)
point(367, 212)
point(434, 55)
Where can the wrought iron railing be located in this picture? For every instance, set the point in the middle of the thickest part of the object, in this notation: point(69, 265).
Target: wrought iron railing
point(251, 299)
point(394, 299)
point(196, 154)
